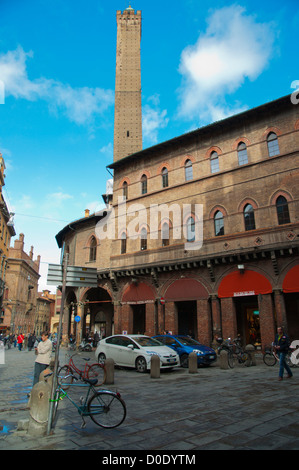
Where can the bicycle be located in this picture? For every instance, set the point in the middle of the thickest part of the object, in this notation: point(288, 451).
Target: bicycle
point(234, 352)
point(106, 408)
point(93, 371)
point(270, 357)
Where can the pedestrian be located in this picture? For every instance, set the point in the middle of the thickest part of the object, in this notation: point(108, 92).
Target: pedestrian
point(20, 340)
point(31, 341)
point(43, 352)
point(282, 344)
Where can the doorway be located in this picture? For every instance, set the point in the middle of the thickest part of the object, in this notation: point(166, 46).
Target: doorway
point(138, 319)
point(248, 320)
point(187, 318)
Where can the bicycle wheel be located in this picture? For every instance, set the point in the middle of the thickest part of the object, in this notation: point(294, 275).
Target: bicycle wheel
point(97, 371)
point(244, 359)
point(107, 409)
point(65, 377)
point(231, 359)
point(269, 359)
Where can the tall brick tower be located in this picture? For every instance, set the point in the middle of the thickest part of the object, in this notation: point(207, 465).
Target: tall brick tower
point(128, 114)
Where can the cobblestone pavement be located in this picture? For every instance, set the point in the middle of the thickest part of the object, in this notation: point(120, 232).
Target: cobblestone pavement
point(241, 408)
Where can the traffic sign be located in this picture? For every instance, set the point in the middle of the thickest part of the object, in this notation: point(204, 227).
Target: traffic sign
point(76, 276)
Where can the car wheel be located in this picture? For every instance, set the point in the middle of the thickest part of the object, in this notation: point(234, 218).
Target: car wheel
point(140, 364)
point(184, 360)
point(101, 359)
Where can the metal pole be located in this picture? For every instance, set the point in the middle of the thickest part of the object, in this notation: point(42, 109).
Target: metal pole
point(54, 383)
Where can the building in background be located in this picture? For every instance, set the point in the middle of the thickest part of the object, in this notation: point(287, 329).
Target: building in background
point(6, 232)
point(45, 311)
point(21, 287)
point(127, 113)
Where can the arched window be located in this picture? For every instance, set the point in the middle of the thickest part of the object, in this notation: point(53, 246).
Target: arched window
point(273, 147)
point(123, 243)
point(125, 190)
point(214, 162)
point(164, 178)
point(242, 154)
point(188, 170)
point(282, 209)
point(219, 224)
point(190, 229)
point(144, 184)
point(143, 239)
point(165, 234)
point(249, 220)
point(93, 249)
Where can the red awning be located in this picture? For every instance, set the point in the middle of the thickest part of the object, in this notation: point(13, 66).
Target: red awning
point(138, 294)
point(291, 281)
point(186, 289)
point(240, 284)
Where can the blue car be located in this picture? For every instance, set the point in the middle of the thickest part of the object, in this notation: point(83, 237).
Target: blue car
point(184, 345)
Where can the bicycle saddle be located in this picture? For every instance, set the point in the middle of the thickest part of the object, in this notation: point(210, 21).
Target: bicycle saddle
point(90, 381)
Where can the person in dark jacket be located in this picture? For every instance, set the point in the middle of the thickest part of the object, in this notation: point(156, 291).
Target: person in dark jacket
point(282, 344)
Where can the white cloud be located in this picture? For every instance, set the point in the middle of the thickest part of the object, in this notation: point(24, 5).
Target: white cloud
point(153, 119)
point(234, 47)
point(80, 105)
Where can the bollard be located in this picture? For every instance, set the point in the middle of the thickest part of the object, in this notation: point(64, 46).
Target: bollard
point(192, 361)
point(250, 349)
point(155, 367)
point(223, 359)
point(39, 409)
point(109, 366)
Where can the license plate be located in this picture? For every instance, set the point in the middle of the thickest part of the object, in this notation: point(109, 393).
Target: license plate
point(212, 357)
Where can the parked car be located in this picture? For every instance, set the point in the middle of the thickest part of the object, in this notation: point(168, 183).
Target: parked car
point(135, 351)
point(184, 345)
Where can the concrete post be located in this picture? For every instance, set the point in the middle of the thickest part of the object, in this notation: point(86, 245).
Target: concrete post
point(224, 360)
point(155, 367)
point(192, 361)
point(39, 409)
point(109, 366)
point(250, 350)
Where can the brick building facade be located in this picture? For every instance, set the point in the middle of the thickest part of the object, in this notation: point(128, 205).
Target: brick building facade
point(235, 182)
point(245, 277)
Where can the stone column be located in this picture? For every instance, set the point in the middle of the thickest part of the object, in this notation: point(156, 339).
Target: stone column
point(229, 318)
point(171, 317)
point(267, 324)
point(216, 316)
point(204, 322)
point(280, 308)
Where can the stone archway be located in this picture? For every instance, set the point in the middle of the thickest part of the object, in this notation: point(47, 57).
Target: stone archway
point(98, 312)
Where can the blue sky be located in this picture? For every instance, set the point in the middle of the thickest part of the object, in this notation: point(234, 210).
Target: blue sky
point(201, 60)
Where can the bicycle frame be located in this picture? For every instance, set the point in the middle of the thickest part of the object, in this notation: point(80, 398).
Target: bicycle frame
point(82, 409)
point(81, 373)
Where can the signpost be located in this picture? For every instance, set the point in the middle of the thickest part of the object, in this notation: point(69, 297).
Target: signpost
point(66, 276)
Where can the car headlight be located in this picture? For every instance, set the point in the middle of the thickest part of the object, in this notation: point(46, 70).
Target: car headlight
point(198, 352)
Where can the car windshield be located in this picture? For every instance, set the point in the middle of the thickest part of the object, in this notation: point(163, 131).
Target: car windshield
point(186, 341)
point(146, 341)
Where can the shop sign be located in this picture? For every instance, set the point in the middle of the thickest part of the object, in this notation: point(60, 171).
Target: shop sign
point(245, 293)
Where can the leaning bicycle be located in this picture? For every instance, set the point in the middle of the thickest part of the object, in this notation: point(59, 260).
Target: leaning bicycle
point(106, 408)
point(93, 371)
point(270, 357)
point(235, 352)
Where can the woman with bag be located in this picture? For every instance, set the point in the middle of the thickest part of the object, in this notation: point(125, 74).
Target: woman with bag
point(43, 352)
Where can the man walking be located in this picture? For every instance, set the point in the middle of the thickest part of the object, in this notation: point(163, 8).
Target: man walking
point(282, 343)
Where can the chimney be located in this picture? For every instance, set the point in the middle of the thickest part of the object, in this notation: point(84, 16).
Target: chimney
point(86, 212)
